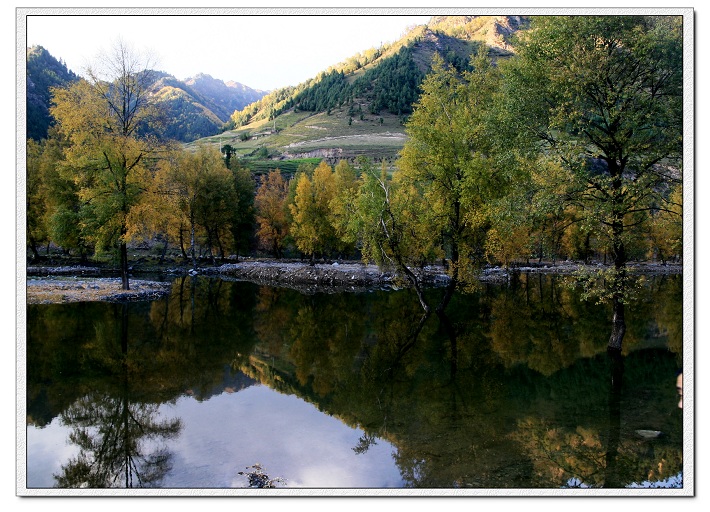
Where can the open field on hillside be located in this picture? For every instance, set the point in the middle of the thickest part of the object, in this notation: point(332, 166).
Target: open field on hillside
point(337, 135)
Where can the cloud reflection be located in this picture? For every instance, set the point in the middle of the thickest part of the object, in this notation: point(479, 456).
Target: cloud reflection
point(289, 437)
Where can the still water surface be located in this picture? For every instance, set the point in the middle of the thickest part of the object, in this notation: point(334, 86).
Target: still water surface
point(511, 389)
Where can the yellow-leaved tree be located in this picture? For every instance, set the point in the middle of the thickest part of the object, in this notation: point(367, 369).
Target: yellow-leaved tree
point(101, 117)
point(271, 215)
point(311, 227)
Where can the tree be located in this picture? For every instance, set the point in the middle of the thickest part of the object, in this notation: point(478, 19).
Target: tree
point(270, 205)
point(227, 150)
point(163, 210)
point(194, 193)
point(389, 224)
point(311, 227)
point(450, 160)
point(602, 96)
point(35, 201)
point(243, 210)
point(101, 116)
point(342, 206)
point(216, 199)
point(666, 227)
point(54, 202)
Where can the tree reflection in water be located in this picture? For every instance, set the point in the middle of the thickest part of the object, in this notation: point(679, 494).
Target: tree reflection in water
point(114, 438)
point(511, 387)
point(113, 430)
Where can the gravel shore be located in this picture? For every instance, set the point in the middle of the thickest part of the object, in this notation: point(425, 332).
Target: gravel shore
point(76, 283)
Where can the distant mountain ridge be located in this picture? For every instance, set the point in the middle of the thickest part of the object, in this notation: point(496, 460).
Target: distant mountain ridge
point(195, 108)
point(199, 106)
point(380, 82)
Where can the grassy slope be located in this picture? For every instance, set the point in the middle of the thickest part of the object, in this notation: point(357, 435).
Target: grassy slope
point(306, 134)
point(299, 134)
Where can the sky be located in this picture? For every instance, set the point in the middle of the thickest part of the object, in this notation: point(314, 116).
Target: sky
point(264, 52)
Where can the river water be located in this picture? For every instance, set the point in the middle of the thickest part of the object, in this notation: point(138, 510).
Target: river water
point(511, 389)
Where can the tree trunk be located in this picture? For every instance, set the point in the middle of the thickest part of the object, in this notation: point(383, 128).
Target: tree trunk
point(182, 245)
point(618, 326)
point(611, 477)
point(219, 246)
point(124, 266)
point(164, 251)
point(192, 245)
point(33, 247)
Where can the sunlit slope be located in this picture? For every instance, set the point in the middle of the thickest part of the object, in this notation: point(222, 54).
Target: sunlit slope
point(360, 106)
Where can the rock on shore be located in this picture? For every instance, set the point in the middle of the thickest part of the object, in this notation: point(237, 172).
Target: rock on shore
point(321, 276)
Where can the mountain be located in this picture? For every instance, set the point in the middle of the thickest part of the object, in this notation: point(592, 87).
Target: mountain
point(199, 106)
point(360, 106)
point(223, 97)
point(494, 31)
point(194, 108)
point(351, 108)
point(43, 72)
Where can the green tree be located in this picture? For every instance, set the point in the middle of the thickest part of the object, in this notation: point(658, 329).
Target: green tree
point(57, 201)
point(389, 225)
point(101, 116)
point(243, 211)
point(602, 95)
point(227, 150)
point(35, 200)
point(450, 160)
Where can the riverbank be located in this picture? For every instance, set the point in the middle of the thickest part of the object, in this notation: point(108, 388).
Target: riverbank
point(48, 284)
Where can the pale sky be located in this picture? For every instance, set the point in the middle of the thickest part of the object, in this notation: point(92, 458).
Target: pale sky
point(260, 51)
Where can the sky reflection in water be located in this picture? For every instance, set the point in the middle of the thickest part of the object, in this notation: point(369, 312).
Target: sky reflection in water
point(226, 434)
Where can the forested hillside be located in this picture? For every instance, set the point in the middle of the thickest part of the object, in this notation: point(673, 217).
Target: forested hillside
point(43, 72)
point(388, 78)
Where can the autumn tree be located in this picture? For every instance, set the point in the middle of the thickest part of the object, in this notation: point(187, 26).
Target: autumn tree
point(271, 217)
point(101, 116)
point(666, 227)
point(311, 227)
point(216, 200)
point(602, 96)
point(192, 196)
point(342, 207)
